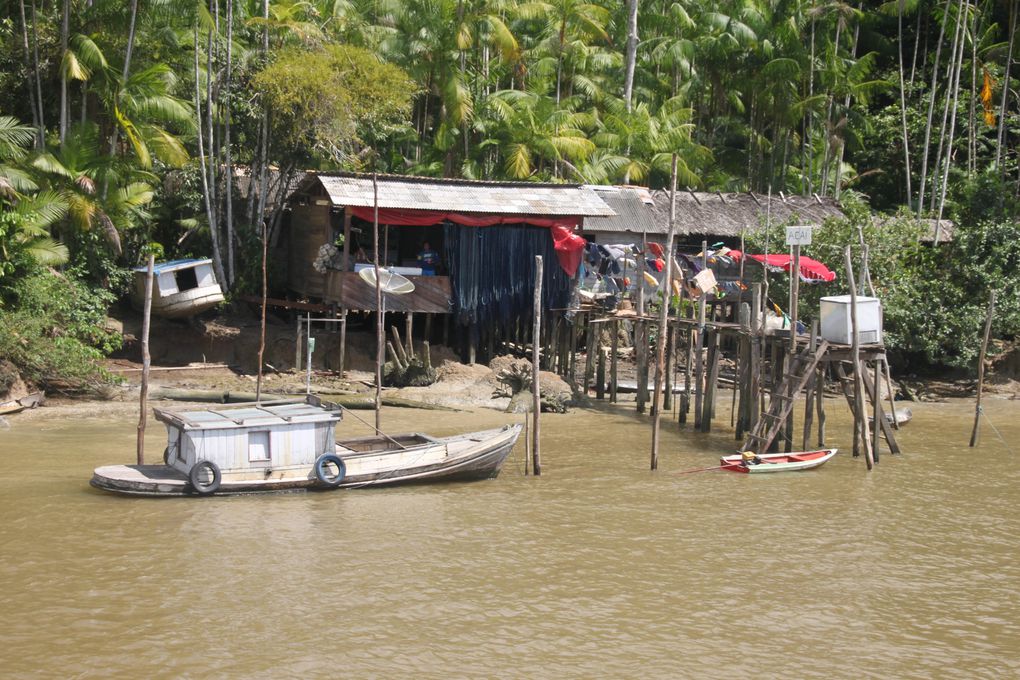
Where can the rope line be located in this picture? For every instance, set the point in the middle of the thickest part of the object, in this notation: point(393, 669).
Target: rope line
point(1005, 444)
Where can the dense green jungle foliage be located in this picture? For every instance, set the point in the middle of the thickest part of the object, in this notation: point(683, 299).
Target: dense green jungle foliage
point(119, 118)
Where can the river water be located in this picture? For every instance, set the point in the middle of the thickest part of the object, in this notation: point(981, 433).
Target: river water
point(599, 568)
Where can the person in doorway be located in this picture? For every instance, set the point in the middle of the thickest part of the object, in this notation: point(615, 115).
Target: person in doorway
point(749, 458)
point(428, 258)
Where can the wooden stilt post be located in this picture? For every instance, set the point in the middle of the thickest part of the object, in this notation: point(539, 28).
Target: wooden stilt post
point(877, 418)
point(262, 317)
point(667, 367)
point(343, 340)
point(889, 389)
point(661, 366)
point(614, 351)
point(809, 404)
point(297, 344)
point(641, 357)
point(600, 375)
point(819, 402)
point(981, 369)
point(711, 378)
point(859, 413)
point(536, 388)
point(685, 397)
point(754, 405)
point(699, 358)
point(409, 334)
point(144, 393)
point(590, 339)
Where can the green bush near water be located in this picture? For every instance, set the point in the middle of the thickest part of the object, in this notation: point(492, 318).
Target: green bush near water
point(52, 327)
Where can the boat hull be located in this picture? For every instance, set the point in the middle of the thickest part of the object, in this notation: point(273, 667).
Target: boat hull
point(478, 455)
point(779, 462)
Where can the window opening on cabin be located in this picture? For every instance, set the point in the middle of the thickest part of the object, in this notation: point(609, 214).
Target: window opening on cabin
point(258, 446)
point(186, 279)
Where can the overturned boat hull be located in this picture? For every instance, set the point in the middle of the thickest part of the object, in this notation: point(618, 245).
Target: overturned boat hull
point(369, 461)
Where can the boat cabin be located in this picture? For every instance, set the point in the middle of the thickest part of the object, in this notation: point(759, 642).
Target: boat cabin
point(250, 441)
point(180, 288)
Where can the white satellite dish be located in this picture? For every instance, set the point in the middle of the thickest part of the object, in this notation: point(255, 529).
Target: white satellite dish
point(390, 282)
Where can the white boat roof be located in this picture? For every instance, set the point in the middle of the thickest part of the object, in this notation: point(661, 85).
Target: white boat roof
point(249, 416)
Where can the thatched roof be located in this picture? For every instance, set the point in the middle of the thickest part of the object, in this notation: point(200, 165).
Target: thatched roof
point(729, 214)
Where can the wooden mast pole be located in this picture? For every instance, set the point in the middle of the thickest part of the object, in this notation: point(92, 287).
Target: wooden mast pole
point(380, 340)
point(981, 369)
point(660, 340)
point(144, 394)
point(262, 329)
point(536, 388)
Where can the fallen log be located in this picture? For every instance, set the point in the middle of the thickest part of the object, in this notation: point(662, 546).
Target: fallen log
point(351, 401)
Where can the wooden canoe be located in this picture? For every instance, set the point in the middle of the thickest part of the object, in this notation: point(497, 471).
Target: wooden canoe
point(779, 462)
point(19, 405)
point(370, 461)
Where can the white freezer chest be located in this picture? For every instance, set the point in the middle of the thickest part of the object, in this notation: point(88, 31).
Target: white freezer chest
point(835, 319)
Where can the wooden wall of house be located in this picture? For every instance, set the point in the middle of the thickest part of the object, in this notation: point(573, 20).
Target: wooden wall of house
point(310, 228)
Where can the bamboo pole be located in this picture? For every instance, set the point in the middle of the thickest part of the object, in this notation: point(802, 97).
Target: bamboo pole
point(144, 393)
point(660, 340)
point(536, 388)
point(981, 369)
point(860, 417)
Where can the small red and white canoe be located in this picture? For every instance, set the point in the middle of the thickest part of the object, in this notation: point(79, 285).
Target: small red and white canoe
point(779, 462)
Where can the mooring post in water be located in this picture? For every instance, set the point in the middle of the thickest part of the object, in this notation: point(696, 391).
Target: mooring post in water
point(860, 416)
point(536, 388)
point(614, 350)
point(809, 394)
point(143, 397)
point(981, 369)
point(660, 339)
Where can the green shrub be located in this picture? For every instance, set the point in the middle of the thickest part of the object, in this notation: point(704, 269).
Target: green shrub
point(53, 330)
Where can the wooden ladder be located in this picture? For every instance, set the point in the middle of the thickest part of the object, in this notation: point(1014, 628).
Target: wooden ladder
point(796, 377)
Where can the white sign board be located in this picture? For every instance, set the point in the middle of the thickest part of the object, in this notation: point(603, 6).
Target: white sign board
point(798, 236)
point(705, 280)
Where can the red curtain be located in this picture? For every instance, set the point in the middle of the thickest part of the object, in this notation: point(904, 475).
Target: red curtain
point(569, 246)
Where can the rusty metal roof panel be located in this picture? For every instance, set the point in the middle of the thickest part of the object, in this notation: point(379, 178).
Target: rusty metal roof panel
point(422, 193)
point(634, 208)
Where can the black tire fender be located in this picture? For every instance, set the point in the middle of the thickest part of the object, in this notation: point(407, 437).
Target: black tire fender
point(322, 473)
point(198, 481)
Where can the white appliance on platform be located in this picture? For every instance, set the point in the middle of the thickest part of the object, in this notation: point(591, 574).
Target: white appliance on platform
point(836, 320)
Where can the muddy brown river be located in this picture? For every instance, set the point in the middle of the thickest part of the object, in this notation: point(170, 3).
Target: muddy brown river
point(599, 568)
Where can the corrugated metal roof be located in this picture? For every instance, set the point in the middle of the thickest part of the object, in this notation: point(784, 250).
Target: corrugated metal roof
point(256, 416)
point(634, 208)
point(426, 193)
point(172, 266)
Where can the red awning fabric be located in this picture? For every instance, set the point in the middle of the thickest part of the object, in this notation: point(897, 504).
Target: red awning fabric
point(811, 271)
point(569, 246)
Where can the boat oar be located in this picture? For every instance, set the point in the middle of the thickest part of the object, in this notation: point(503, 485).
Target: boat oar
point(714, 467)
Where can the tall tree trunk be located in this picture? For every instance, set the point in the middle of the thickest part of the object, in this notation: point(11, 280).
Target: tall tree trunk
point(846, 107)
point(213, 155)
point(931, 111)
point(559, 58)
point(808, 141)
point(38, 77)
point(206, 195)
point(30, 81)
point(260, 214)
point(229, 200)
point(65, 112)
point(952, 130)
point(1000, 135)
point(632, 40)
point(952, 68)
point(903, 101)
point(124, 74)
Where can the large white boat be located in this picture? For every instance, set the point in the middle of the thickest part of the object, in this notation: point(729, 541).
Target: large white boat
point(286, 446)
